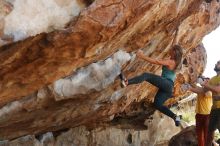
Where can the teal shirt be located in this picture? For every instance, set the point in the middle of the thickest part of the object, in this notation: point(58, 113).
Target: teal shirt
point(168, 74)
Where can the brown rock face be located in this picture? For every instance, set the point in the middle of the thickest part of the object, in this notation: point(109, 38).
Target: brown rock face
point(69, 77)
point(97, 33)
point(184, 138)
point(105, 136)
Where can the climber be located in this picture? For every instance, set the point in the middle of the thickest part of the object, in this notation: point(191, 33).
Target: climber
point(203, 109)
point(165, 82)
point(214, 86)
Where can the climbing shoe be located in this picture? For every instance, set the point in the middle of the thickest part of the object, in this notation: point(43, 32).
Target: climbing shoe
point(177, 120)
point(124, 81)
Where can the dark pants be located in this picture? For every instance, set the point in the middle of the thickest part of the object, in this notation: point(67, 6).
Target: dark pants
point(164, 92)
point(202, 123)
point(214, 124)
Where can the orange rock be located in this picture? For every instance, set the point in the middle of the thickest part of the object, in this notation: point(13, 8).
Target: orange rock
point(29, 68)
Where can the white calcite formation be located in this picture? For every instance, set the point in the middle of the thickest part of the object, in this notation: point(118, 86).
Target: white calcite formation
point(96, 76)
point(32, 17)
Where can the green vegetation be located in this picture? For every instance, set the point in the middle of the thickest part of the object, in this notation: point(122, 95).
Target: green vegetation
point(189, 117)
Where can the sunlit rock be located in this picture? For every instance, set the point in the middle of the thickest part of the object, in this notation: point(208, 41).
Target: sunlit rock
point(63, 71)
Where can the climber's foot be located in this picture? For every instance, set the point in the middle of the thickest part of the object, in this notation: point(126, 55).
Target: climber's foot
point(177, 120)
point(124, 81)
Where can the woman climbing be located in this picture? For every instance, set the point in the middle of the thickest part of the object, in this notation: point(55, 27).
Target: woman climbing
point(165, 82)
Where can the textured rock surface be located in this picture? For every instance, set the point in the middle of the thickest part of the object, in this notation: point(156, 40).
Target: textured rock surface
point(63, 108)
point(186, 137)
point(68, 77)
point(103, 136)
point(100, 30)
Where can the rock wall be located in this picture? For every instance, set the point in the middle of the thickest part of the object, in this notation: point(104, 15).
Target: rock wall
point(103, 136)
point(56, 74)
point(186, 137)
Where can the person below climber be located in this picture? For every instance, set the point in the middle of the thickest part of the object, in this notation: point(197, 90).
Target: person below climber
point(203, 109)
point(165, 82)
point(214, 86)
